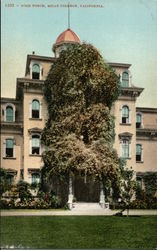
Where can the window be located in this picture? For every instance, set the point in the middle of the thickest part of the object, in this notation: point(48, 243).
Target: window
point(10, 179)
point(35, 109)
point(35, 71)
point(35, 145)
point(139, 181)
point(125, 114)
point(138, 120)
point(138, 152)
point(35, 178)
point(9, 114)
point(9, 148)
point(125, 79)
point(125, 149)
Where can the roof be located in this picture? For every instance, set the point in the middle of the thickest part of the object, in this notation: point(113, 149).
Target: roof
point(121, 65)
point(67, 36)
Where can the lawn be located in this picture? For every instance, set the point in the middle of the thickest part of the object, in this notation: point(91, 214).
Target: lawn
point(79, 232)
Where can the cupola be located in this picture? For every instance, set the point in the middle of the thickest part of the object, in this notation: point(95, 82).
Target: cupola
point(64, 40)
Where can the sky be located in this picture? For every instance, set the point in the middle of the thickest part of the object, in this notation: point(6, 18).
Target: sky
point(124, 31)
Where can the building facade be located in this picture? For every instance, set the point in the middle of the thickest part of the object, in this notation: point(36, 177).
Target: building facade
point(24, 117)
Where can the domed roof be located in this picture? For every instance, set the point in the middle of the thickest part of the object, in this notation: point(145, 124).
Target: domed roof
point(67, 36)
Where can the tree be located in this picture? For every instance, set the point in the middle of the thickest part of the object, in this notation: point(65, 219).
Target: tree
point(128, 187)
point(79, 134)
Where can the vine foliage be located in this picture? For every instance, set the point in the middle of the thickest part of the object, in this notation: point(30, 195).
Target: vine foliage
point(78, 137)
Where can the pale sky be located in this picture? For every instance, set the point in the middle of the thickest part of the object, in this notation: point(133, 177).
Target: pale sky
point(124, 31)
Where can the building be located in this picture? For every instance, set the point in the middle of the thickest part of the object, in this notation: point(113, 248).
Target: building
point(23, 119)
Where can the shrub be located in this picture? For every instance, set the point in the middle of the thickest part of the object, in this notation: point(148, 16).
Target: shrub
point(23, 190)
point(55, 201)
point(3, 204)
point(138, 204)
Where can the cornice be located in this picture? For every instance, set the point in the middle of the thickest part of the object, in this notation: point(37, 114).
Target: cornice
point(146, 110)
point(27, 85)
point(145, 133)
point(35, 130)
point(29, 81)
point(14, 127)
point(9, 100)
point(121, 65)
point(131, 91)
point(145, 173)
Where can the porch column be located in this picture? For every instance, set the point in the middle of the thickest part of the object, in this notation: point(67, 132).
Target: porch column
point(102, 196)
point(70, 196)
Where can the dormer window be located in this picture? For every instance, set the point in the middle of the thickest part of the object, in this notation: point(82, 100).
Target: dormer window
point(125, 79)
point(125, 114)
point(35, 109)
point(138, 120)
point(35, 71)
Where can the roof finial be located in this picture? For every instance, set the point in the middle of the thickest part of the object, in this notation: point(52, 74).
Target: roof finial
point(68, 15)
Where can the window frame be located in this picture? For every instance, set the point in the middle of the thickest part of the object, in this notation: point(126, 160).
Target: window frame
point(139, 180)
point(5, 112)
point(128, 118)
point(122, 148)
point(5, 148)
point(33, 181)
point(124, 80)
point(40, 70)
point(31, 145)
point(141, 123)
point(141, 153)
point(31, 111)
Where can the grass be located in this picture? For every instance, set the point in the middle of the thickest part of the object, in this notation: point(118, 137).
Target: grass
point(79, 232)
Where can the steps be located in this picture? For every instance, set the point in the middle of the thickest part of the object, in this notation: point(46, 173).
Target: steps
point(79, 206)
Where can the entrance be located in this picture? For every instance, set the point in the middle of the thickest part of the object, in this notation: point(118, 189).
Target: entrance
point(88, 191)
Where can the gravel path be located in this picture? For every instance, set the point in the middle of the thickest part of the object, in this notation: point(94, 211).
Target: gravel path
point(106, 212)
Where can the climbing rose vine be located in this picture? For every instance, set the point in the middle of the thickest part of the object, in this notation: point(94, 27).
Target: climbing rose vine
point(78, 137)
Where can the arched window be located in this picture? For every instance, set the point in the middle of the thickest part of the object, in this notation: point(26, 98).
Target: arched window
point(138, 120)
point(35, 71)
point(35, 178)
point(125, 79)
point(35, 150)
point(125, 114)
point(125, 149)
point(35, 109)
point(9, 114)
point(9, 149)
point(138, 152)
